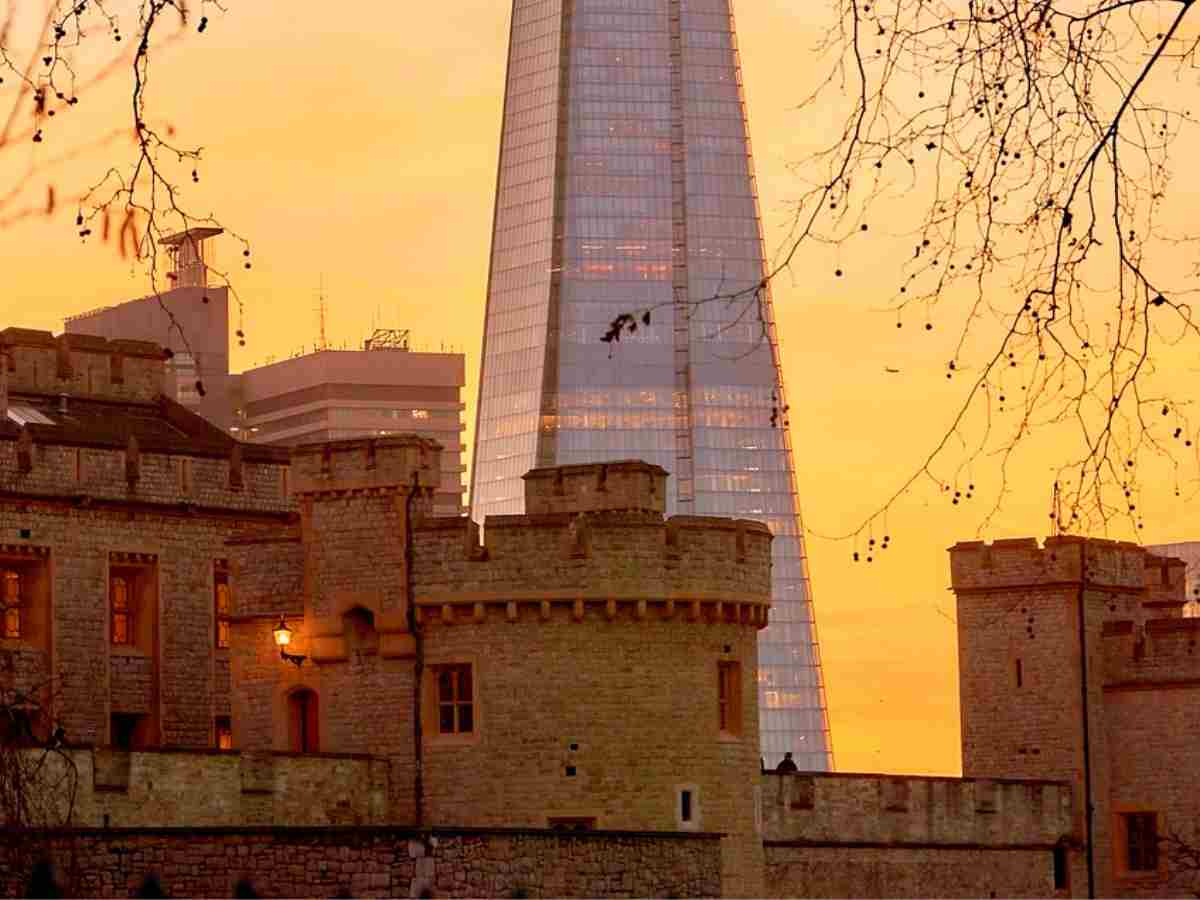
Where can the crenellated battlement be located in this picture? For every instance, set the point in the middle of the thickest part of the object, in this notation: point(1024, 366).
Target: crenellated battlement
point(836, 808)
point(391, 462)
point(1153, 652)
point(80, 365)
point(623, 561)
point(629, 484)
point(1003, 565)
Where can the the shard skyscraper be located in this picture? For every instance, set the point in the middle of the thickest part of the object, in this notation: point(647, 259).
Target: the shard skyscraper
point(626, 184)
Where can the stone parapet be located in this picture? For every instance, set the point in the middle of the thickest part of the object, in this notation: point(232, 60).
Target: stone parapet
point(686, 567)
point(80, 365)
point(1003, 565)
point(1155, 653)
point(626, 484)
point(898, 810)
point(188, 788)
point(391, 462)
point(86, 475)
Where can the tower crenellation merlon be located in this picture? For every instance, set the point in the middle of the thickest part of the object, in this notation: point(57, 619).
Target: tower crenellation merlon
point(1067, 559)
point(393, 462)
point(626, 484)
point(580, 551)
point(80, 365)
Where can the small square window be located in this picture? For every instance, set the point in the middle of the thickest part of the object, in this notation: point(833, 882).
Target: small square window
point(127, 731)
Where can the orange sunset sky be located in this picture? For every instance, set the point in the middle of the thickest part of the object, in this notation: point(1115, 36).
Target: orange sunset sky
point(358, 143)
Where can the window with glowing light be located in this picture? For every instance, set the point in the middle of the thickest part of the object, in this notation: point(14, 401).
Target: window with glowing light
point(222, 605)
point(455, 698)
point(12, 587)
point(223, 732)
point(119, 590)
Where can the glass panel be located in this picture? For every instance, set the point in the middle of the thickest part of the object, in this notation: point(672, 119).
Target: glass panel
point(466, 718)
point(445, 685)
point(464, 683)
point(446, 718)
point(646, 199)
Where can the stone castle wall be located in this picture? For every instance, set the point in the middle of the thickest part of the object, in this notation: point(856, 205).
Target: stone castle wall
point(1023, 691)
point(385, 862)
point(841, 835)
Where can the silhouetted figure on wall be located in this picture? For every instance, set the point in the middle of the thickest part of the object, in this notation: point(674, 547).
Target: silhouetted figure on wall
point(151, 889)
point(41, 882)
point(787, 766)
point(244, 890)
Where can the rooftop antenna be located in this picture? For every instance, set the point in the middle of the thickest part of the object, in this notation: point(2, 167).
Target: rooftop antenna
point(323, 344)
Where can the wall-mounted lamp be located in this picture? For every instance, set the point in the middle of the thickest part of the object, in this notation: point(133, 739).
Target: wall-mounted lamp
point(283, 637)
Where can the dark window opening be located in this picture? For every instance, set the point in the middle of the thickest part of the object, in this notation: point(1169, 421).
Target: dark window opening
point(685, 806)
point(1060, 868)
point(127, 731)
point(1020, 674)
point(1141, 841)
point(571, 771)
point(20, 727)
point(359, 627)
point(572, 823)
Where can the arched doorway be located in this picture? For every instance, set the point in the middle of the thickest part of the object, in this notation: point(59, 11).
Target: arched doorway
point(304, 734)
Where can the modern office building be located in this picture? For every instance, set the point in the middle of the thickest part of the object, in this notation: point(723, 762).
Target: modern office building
point(1189, 552)
point(191, 320)
point(383, 389)
point(626, 186)
point(324, 395)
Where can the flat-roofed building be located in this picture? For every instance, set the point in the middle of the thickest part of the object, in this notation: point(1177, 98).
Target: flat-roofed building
point(383, 389)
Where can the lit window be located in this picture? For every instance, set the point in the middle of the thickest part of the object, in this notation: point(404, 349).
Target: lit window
point(420, 414)
point(12, 604)
point(221, 603)
point(1141, 841)
point(224, 733)
point(456, 710)
point(122, 612)
point(729, 695)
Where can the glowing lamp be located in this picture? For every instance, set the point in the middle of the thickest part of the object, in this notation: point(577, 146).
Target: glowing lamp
point(283, 634)
point(283, 637)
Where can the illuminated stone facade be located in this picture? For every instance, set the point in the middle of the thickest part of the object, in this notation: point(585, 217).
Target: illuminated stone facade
point(1075, 663)
point(587, 665)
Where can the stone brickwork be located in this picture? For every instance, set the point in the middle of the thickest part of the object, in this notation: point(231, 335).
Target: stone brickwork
point(1024, 691)
point(98, 470)
point(388, 862)
point(595, 640)
point(897, 871)
point(847, 809)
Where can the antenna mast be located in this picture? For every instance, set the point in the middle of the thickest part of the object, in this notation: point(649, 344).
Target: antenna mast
point(323, 343)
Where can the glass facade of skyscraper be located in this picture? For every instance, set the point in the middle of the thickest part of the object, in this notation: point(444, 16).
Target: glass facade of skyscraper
point(625, 185)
